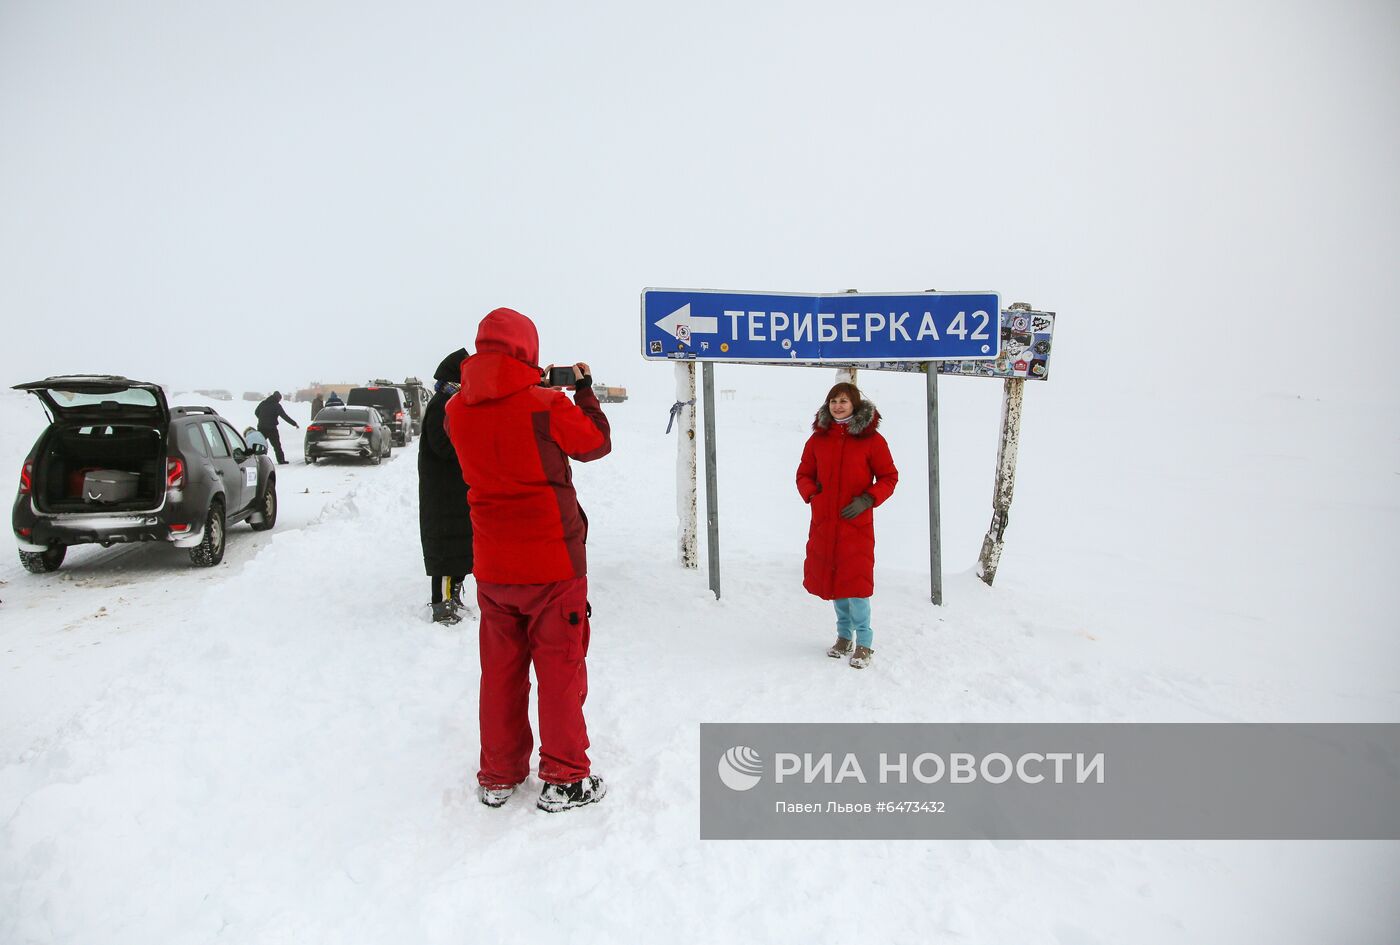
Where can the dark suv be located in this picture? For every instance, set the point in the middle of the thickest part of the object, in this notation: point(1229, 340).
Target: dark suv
point(417, 401)
point(415, 397)
point(392, 405)
point(116, 464)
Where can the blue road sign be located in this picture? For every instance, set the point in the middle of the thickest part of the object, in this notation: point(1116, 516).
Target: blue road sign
point(705, 325)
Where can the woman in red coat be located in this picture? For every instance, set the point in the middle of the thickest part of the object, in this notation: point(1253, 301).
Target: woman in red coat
point(846, 471)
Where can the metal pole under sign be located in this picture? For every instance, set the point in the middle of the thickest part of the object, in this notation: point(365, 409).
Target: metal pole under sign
point(711, 477)
point(935, 525)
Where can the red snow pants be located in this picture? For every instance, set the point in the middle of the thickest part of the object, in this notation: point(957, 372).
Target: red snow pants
point(547, 625)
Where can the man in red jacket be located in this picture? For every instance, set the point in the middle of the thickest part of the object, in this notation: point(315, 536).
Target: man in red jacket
point(514, 439)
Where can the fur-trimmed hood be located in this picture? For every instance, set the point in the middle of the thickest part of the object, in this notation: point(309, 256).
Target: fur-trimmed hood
point(865, 421)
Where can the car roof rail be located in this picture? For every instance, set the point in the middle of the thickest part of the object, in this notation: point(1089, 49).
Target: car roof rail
point(187, 410)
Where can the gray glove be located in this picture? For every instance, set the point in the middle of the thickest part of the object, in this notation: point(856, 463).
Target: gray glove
point(858, 505)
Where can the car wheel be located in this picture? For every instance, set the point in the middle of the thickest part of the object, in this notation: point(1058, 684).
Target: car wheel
point(310, 460)
point(376, 459)
point(42, 562)
point(210, 550)
point(268, 507)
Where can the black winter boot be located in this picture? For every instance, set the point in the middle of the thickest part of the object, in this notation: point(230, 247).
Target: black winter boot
point(495, 795)
point(444, 613)
point(557, 797)
point(459, 606)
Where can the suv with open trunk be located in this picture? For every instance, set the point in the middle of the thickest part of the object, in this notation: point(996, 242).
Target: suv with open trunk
point(116, 464)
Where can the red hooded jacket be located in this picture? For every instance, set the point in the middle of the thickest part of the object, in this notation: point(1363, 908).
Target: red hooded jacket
point(513, 440)
point(839, 462)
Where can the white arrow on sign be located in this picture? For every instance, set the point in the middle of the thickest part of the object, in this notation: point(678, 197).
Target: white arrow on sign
point(681, 322)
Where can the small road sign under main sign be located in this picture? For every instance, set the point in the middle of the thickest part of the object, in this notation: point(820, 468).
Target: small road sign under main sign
point(705, 325)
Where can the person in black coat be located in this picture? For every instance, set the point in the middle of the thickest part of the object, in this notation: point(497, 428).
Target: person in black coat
point(444, 517)
point(268, 413)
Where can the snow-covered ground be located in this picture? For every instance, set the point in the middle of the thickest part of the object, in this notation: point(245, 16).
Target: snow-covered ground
point(282, 749)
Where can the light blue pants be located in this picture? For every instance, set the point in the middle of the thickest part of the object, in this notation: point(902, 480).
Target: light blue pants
point(853, 619)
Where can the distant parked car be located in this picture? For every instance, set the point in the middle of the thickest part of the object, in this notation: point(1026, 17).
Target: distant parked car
point(350, 432)
point(117, 464)
point(391, 403)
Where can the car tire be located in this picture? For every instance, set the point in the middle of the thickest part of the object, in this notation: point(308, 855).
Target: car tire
point(210, 550)
point(310, 460)
point(268, 507)
point(376, 459)
point(43, 562)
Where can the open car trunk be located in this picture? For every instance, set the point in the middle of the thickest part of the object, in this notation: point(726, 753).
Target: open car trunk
point(105, 450)
point(74, 460)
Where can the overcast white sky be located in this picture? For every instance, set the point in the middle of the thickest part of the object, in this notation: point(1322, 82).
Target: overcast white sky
point(262, 193)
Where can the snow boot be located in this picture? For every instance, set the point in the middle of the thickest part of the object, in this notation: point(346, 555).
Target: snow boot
point(842, 648)
point(861, 657)
point(459, 606)
point(495, 795)
point(444, 614)
point(557, 797)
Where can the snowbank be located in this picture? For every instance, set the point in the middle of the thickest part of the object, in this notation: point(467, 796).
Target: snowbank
point(283, 748)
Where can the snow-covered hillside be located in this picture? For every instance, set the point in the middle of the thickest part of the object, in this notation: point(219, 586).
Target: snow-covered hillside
point(282, 749)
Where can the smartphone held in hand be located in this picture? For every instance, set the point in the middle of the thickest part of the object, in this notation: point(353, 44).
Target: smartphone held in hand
point(558, 377)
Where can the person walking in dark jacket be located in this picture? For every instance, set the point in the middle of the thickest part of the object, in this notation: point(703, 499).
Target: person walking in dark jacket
point(268, 413)
point(444, 517)
point(317, 404)
point(334, 400)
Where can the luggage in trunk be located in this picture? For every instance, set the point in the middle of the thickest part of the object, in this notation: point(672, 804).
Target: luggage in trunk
point(109, 486)
point(93, 469)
